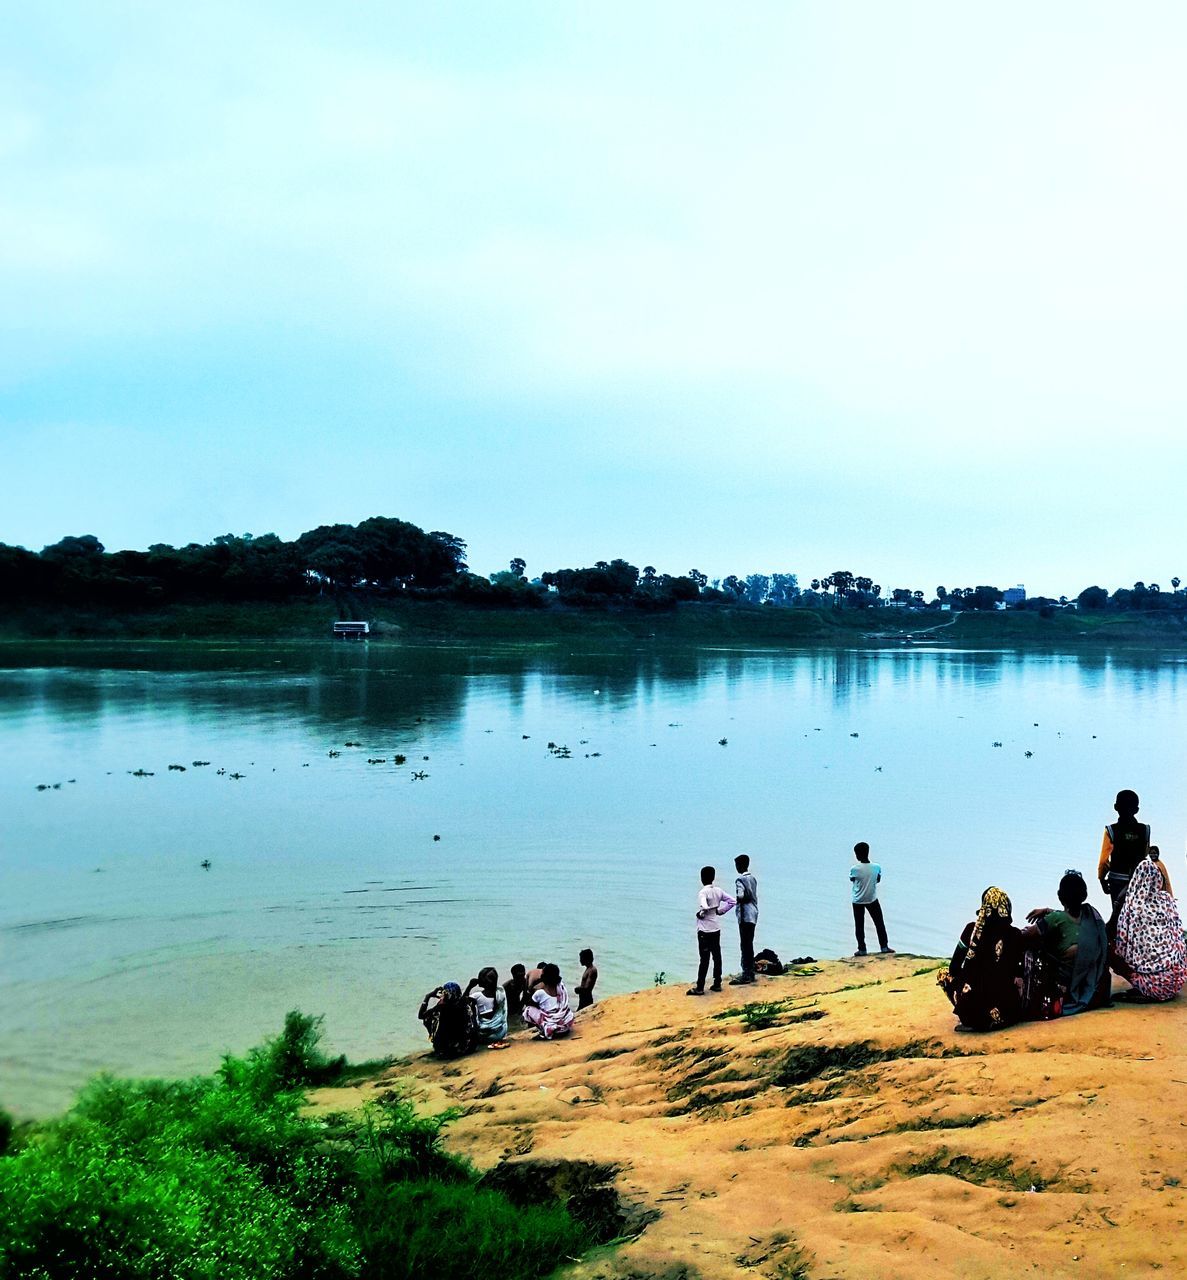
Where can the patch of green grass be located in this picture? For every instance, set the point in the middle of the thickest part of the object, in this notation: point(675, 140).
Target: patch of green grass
point(225, 1177)
point(928, 1123)
point(849, 1205)
point(930, 968)
point(982, 1172)
point(761, 1014)
point(600, 1055)
point(808, 1062)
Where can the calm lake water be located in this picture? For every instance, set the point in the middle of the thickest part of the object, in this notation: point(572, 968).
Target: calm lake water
point(328, 890)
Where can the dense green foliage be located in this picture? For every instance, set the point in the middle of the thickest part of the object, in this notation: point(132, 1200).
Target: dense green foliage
point(357, 569)
point(226, 1177)
point(381, 553)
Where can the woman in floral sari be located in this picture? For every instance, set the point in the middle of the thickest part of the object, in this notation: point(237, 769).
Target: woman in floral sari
point(984, 977)
point(548, 1008)
point(1150, 952)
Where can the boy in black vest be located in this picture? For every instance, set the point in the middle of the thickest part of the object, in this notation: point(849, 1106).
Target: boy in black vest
point(1126, 842)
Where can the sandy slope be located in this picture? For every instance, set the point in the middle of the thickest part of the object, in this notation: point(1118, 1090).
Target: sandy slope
point(920, 1165)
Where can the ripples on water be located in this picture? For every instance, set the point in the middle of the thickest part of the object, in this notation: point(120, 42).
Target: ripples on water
point(328, 892)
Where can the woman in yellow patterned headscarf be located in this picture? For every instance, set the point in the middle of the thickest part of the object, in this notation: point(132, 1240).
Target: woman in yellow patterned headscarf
point(984, 977)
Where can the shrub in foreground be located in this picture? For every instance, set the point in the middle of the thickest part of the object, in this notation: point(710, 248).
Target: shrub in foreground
point(225, 1177)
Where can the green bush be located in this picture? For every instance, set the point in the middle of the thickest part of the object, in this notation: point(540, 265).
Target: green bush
point(225, 1178)
point(446, 1231)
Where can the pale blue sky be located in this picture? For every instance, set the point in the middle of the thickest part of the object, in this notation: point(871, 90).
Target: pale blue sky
point(900, 288)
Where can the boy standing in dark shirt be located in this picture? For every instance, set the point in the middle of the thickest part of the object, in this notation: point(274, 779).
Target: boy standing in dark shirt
point(1126, 842)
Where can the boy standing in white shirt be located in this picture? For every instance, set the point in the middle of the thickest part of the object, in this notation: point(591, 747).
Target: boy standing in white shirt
point(712, 902)
point(864, 878)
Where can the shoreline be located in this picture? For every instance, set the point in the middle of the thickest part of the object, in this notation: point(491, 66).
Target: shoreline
point(444, 623)
point(832, 1123)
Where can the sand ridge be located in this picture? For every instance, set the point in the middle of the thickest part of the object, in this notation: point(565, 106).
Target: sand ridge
point(839, 1127)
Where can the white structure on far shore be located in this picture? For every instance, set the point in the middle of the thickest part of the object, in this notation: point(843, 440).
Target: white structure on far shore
point(1013, 595)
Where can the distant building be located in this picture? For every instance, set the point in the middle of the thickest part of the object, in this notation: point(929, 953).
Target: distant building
point(1014, 595)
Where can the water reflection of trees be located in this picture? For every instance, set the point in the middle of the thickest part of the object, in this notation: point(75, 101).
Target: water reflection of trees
point(348, 686)
point(336, 687)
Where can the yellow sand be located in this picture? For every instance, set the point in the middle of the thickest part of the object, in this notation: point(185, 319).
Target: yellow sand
point(816, 1180)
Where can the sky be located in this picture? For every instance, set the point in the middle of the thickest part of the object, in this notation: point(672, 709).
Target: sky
point(897, 288)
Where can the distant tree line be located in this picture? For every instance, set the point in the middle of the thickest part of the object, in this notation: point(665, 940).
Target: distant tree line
point(381, 553)
point(386, 557)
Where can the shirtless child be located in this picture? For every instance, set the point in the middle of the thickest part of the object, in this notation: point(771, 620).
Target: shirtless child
point(589, 977)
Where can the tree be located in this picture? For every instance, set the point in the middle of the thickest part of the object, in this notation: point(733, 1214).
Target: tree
point(984, 598)
point(518, 565)
point(784, 588)
point(699, 578)
point(842, 582)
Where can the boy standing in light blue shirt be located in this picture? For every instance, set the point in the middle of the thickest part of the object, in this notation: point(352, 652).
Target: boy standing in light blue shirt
point(863, 879)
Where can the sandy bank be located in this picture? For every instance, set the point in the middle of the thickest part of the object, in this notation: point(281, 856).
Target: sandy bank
point(858, 1135)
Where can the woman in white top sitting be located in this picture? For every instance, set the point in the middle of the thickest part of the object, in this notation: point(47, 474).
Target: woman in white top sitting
point(548, 1008)
point(490, 1004)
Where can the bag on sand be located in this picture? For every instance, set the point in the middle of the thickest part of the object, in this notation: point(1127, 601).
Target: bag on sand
point(768, 962)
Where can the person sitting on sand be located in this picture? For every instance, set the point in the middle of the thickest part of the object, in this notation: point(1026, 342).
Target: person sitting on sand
point(516, 988)
point(490, 1008)
point(548, 1009)
point(451, 1022)
point(1150, 952)
point(984, 977)
point(1126, 842)
point(1066, 968)
point(589, 978)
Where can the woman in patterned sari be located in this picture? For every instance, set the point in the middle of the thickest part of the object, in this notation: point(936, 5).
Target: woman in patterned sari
point(1150, 952)
point(984, 978)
